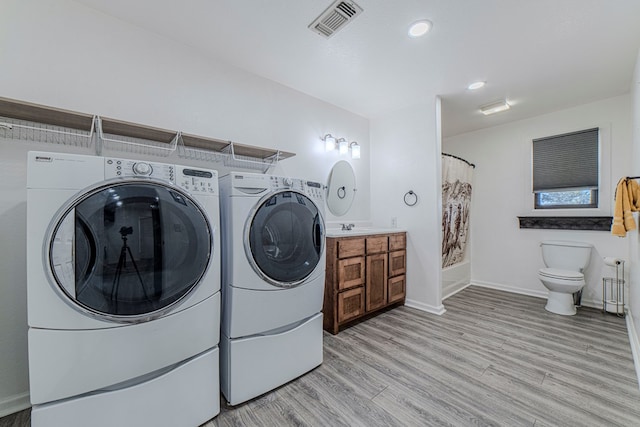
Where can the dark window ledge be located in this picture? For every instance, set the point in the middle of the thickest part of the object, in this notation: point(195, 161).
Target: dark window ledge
point(597, 223)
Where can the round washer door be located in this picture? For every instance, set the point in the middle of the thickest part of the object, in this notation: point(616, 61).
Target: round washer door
point(284, 238)
point(128, 250)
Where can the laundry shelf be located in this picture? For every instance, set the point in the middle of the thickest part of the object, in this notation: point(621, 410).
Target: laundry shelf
point(31, 122)
point(26, 121)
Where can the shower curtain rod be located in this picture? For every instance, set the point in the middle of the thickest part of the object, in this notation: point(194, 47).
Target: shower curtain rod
point(460, 158)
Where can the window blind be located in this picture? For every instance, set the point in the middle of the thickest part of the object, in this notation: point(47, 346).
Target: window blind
point(564, 162)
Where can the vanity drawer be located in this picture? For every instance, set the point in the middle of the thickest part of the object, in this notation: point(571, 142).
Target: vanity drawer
point(377, 244)
point(397, 241)
point(350, 247)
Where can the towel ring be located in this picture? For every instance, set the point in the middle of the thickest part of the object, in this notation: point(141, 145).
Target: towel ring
point(410, 198)
point(342, 192)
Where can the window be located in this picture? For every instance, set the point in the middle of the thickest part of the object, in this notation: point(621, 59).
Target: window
point(565, 170)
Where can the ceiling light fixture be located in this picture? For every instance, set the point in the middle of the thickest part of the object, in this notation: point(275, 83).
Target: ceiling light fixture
point(495, 107)
point(476, 85)
point(329, 142)
point(420, 28)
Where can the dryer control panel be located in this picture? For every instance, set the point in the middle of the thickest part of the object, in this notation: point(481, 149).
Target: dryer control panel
point(115, 168)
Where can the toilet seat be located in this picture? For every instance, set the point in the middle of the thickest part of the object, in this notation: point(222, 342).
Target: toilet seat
point(555, 273)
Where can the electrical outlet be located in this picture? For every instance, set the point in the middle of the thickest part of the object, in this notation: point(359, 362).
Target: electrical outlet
point(394, 221)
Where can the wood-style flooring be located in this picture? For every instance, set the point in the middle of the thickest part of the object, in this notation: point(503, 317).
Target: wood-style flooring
point(494, 358)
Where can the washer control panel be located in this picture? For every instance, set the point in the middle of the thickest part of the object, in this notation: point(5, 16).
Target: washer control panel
point(198, 181)
point(115, 168)
point(313, 190)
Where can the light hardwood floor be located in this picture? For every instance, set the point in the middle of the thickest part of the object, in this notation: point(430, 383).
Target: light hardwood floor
point(494, 358)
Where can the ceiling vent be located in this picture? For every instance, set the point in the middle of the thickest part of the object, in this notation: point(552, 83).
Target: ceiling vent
point(335, 17)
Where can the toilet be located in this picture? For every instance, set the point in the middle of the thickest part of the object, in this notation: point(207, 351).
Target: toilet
point(563, 275)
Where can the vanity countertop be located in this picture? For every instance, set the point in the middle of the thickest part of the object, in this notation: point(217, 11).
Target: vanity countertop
point(362, 231)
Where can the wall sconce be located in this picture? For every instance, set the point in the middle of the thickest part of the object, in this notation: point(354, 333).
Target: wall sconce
point(355, 150)
point(329, 142)
point(343, 146)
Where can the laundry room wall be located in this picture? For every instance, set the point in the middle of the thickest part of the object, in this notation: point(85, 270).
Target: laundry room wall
point(62, 54)
point(503, 256)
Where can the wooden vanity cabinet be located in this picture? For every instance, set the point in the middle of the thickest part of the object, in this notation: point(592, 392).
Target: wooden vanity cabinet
point(364, 274)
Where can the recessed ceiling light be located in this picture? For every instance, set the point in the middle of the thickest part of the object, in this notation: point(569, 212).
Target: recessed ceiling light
point(420, 28)
point(495, 107)
point(476, 85)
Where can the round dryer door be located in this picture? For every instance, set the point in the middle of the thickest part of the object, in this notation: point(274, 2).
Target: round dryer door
point(284, 238)
point(129, 249)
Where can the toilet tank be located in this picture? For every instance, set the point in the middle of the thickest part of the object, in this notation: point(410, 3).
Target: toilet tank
point(572, 256)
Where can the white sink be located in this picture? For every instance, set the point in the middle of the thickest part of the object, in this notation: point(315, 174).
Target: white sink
point(361, 231)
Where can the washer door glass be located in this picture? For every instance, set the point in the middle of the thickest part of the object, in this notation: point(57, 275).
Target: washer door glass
point(285, 238)
point(130, 249)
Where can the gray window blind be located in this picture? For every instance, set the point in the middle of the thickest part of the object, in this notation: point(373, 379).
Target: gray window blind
point(564, 162)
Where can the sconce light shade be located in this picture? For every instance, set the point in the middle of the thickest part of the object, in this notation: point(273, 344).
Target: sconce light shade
point(329, 142)
point(343, 146)
point(355, 150)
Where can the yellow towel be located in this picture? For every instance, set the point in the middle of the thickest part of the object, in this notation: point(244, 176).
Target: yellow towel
point(627, 200)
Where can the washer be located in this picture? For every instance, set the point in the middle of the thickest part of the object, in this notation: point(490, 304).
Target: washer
point(273, 237)
point(123, 280)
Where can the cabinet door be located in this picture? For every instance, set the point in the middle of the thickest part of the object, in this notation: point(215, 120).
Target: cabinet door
point(350, 304)
point(376, 287)
point(350, 272)
point(397, 263)
point(397, 288)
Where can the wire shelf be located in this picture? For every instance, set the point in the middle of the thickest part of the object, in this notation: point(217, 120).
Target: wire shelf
point(235, 160)
point(132, 144)
point(200, 154)
point(24, 130)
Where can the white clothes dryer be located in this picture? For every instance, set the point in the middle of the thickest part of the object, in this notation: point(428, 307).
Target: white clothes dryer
point(273, 237)
point(123, 280)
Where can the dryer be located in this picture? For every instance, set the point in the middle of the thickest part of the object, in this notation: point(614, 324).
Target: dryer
point(273, 273)
point(123, 280)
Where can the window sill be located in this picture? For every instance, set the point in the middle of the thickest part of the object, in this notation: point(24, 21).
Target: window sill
point(595, 223)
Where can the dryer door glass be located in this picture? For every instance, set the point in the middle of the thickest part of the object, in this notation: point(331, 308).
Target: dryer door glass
point(285, 238)
point(130, 249)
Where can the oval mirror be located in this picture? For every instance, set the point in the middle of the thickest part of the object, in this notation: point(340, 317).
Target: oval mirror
point(341, 188)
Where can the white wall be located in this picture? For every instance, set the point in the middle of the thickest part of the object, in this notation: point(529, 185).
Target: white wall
point(634, 239)
point(406, 156)
point(59, 53)
point(506, 257)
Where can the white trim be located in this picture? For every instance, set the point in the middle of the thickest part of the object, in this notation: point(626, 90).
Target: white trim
point(634, 340)
point(439, 310)
point(457, 288)
point(15, 403)
point(512, 289)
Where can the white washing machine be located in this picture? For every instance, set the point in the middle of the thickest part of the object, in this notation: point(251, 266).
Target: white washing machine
point(272, 282)
point(123, 280)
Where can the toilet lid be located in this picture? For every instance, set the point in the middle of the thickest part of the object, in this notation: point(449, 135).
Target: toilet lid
point(556, 273)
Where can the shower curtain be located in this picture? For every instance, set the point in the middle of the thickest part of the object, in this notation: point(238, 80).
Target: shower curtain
point(456, 200)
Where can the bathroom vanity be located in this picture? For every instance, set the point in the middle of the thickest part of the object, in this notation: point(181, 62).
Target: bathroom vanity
point(365, 274)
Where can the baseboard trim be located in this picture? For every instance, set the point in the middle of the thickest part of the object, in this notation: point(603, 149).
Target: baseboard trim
point(455, 291)
point(512, 289)
point(14, 404)
point(634, 340)
point(439, 310)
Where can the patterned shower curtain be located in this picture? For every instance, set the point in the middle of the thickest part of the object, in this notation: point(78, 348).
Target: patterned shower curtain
point(456, 200)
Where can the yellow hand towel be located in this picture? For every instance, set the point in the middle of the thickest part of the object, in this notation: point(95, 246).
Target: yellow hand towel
point(622, 218)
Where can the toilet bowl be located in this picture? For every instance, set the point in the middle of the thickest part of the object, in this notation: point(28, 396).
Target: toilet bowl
point(563, 275)
point(562, 284)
